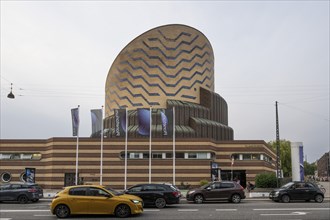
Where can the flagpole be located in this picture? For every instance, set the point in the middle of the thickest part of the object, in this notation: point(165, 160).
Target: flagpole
point(173, 145)
point(101, 163)
point(126, 135)
point(77, 149)
point(150, 146)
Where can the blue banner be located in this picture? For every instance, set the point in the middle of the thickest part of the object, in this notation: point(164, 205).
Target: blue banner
point(144, 121)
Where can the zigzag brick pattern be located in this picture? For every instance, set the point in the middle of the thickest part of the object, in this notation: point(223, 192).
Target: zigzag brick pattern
point(168, 62)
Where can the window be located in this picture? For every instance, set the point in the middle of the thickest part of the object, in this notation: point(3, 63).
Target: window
point(168, 155)
point(227, 185)
point(150, 188)
point(246, 156)
point(157, 155)
point(23, 177)
point(145, 155)
point(136, 189)
point(134, 155)
point(5, 177)
point(78, 191)
point(192, 156)
point(97, 192)
point(5, 187)
point(179, 155)
point(255, 156)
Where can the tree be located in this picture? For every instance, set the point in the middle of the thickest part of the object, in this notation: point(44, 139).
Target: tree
point(309, 168)
point(285, 156)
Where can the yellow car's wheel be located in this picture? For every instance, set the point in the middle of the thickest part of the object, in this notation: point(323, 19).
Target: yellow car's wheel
point(122, 211)
point(62, 211)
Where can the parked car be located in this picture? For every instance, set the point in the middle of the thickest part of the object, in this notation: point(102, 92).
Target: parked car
point(297, 191)
point(156, 194)
point(224, 190)
point(21, 192)
point(94, 199)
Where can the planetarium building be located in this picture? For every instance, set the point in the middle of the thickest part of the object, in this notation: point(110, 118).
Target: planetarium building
point(161, 109)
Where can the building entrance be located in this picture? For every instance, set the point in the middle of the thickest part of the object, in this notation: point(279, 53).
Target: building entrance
point(235, 175)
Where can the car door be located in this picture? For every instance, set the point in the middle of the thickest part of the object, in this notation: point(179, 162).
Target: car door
point(78, 200)
point(226, 190)
point(100, 201)
point(150, 194)
point(297, 192)
point(310, 191)
point(137, 191)
point(5, 193)
point(212, 192)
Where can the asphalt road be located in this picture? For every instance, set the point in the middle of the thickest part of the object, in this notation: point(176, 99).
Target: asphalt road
point(247, 209)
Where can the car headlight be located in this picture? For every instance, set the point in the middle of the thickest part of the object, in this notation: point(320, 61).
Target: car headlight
point(135, 201)
point(276, 193)
point(191, 192)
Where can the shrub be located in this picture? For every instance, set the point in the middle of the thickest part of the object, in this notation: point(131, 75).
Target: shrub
point(266, 180)
point(203, 182)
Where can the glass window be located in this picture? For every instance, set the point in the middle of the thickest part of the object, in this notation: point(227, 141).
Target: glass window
point(5, 177)
point(78, 191)
point(150, 188)
point(160, 188)
point(97, 192)
point(136, 189)
point(157, 155)
point(5, 187)
point(255, 156)
point(192, 155)
point(235, 156)
point(203, 155)
point(246, 156)
point(145, 155)
point(169, 155)
point(134, 155)
point(179, 155)
point(227, 185)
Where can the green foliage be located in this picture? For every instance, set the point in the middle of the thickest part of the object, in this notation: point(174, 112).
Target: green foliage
point(309, 168)
point(266, 180)
point(285, 156)
point(203, 182)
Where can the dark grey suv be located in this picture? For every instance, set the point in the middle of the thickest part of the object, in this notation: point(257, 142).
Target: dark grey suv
point(21, 192)
point(225, 190)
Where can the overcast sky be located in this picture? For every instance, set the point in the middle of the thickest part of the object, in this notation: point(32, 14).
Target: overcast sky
point(58, 54)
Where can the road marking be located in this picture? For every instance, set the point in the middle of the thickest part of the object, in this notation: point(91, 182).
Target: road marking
point(151, 210)
point(26, 210)
point(187, 210)
point(5, 218)
point(43, 215)
point(224, 210)
point(292, 213)
point(293, 209)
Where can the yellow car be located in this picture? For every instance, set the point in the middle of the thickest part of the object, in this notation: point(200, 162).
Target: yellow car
point(93, 199)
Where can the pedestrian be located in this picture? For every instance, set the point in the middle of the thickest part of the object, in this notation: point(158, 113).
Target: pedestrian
point(250, 186)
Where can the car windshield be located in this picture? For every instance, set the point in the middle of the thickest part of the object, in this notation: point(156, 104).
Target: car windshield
point(286, 186)
point(114, 192)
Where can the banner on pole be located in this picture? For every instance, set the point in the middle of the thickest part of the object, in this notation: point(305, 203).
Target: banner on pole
point(120, 122)
point(30, 175)
point(97, 120)
point(167, 122)
point(75, 121)
point(144, 121)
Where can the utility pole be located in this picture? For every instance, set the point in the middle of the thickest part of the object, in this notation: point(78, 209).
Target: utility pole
point(278, 166)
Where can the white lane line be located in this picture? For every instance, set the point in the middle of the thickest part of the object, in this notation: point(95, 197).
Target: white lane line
point(26, 210)
point(293, 213)
point(5, 218)
point(225, 210)
point(293, 209)
point(187, 210)
point(43, 215)
point(151, 210)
